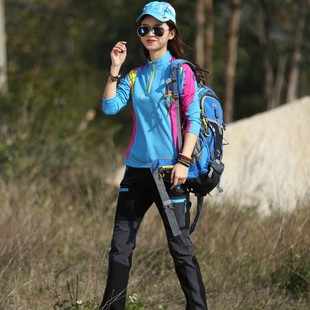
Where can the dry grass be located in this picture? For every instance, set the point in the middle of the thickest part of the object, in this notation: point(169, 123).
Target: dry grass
point(52, 232)
point(54, 238)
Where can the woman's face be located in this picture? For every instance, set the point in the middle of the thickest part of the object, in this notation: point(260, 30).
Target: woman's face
point(156, 43)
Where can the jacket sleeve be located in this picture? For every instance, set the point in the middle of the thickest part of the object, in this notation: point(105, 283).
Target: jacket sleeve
point(113, 105)
point(189, 100)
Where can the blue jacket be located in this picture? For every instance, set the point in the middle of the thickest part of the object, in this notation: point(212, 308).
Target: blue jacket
point(154, 133)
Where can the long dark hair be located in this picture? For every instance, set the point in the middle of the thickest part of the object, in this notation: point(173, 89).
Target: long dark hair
point(175, 45)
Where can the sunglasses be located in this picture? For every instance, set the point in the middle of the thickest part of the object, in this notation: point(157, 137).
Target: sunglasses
point(156, 30)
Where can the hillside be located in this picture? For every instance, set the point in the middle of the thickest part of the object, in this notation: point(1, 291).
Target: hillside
point(267, 161)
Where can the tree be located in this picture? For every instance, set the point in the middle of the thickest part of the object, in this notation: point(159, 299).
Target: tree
point(209, 36)
point(283, 27)
point(3, 60)
point(296, 57)
point(230, 72)
point(204, 35)
point(200, 26)
point(267, 55)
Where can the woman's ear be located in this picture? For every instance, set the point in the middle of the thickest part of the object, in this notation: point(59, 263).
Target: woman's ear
point(171, 34)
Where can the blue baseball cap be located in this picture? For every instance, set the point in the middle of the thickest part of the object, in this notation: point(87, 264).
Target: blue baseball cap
point(162, 11)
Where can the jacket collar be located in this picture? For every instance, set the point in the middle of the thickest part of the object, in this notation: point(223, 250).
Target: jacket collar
point(163, 61)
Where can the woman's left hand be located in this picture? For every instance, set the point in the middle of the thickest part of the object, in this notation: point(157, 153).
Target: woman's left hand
point(178, 175)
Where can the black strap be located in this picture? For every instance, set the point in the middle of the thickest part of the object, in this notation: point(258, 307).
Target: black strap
point(199, 207)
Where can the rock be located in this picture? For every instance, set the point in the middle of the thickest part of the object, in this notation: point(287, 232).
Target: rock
point(267, 161)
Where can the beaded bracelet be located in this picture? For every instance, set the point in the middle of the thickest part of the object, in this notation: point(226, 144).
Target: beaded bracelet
point(185, 159)
point(113, 78)
point(187, 165)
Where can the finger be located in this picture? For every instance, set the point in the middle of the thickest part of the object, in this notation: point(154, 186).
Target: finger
point(121, 46)
point(172, 176)
point(173, 186)
point(118, 49)
point(176, 181)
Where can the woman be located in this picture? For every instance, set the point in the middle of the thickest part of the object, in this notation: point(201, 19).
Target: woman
point(154, 136)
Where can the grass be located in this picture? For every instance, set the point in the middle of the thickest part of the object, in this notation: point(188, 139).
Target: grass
point(55, 237)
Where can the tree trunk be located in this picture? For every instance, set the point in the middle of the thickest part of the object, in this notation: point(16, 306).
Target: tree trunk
point(209, 36)
point(200, 26)
point(233, 36)
point(3, 59)
point(267, 57)
point(296, 57)
point(279, 83)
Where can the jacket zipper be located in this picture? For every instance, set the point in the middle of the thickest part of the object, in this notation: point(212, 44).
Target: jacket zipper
point(151, 78)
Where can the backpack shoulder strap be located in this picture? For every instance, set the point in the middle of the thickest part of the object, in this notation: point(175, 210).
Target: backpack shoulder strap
point(175, 80)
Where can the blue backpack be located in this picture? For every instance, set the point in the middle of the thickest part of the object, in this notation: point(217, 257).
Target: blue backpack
point(206, 170)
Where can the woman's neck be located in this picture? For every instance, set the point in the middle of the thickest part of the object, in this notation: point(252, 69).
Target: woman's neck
point(155, 55)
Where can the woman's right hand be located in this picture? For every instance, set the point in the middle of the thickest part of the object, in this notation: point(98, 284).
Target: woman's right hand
point(118, 54)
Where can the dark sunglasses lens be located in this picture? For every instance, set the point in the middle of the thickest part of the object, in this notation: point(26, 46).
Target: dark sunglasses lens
point(143, 31)
point(158, 31)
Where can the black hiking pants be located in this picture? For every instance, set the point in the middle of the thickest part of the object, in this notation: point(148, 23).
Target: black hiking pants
point(138, 192)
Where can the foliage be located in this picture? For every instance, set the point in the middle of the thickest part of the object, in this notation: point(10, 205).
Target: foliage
point(48, 40)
